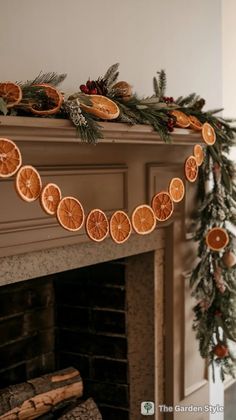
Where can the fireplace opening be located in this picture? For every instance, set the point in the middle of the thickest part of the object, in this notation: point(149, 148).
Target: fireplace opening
point(99, 319)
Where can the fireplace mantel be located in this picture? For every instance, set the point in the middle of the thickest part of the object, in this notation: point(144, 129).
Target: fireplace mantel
point(124, 170)
point(28, 129)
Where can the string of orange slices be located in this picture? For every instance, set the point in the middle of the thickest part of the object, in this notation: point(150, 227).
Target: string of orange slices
point(69, 210)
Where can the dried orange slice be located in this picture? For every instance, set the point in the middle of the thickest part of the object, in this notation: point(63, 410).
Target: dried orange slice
point(182, 119)
point(162, 205)
point(28, 183)
point(176, 189)
point(194, 123)
point(191, 169)
point(70, 214)
point(120, 227)
point(143, 219)
point(10, 158)
point(54, 100)
point(97, 226)
point(208, 134)
point(50, 198)
point(198, 153)
point(102, 107)
point(217, 238)
point(11, 93)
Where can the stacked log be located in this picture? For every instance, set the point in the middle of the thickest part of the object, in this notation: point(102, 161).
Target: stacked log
point(87, 410)
point(33, 398)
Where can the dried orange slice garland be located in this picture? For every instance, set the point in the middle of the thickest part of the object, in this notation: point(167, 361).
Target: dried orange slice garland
point(11, 93)
point(198, 154)
point(102, 107)
point(143, 219)
point(50, 198)
point(191, 168)
point(176, 190)
point(69, 210)
point(120, 227)
point(10, 158)
point(217, 238)
point(163, 206)
point(28, 183)
point(97, 225)
point(70, 214)
point(208, 134)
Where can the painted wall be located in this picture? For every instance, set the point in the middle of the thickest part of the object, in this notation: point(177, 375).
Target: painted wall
point(229, 61)
point(84, 37)
point(229, 57)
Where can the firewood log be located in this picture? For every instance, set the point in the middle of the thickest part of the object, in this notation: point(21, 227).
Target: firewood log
point(38, 396)
point(87, 410)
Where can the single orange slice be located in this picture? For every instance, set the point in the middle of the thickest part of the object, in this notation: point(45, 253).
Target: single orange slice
point(70, 214)
point(198, 153)
point(194, 123)
point(176, 189)
point(102, 107)
point(11, 93)
point(182, 119)
point(120, 227)
point(162, 205)
point(97, 225)
point(51, 105)
point(28, 183)
point(208, 134)
point(143, 219)
point(191, 168)
point(50, 198)
point(10, 158)
point(217, 239)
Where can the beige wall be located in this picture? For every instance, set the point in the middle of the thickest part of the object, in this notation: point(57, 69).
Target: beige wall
point(229, 61)
point(83, 37)
point(229, 57)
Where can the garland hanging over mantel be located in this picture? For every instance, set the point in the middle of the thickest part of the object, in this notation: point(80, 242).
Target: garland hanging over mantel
point(213, 281)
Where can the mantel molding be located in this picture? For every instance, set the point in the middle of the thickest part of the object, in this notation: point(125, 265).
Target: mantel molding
point(112, 176)
point(52, 130)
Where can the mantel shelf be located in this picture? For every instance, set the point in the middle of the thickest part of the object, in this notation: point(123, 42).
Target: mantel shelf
point(32, 129)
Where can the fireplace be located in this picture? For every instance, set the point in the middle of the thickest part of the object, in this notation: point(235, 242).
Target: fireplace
point(88, 318)
point(121, 314)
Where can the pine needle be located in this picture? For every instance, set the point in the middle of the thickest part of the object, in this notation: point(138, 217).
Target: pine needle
point(50, 78)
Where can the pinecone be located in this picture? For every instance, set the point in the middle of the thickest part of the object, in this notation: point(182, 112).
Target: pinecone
point(101, 86)
point(199, 104)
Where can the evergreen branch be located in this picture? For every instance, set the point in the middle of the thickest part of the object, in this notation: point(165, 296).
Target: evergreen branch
point(162, 82)
point(3, 107)
point(215, 111)
point(156, 88)
point(111, 75)
point(50, 78)
point(90, 133)
point(188, 100)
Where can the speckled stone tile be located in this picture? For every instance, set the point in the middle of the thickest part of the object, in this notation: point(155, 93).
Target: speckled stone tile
point(145, 328)
point(41, 263)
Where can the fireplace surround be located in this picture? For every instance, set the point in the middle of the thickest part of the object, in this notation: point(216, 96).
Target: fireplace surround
point(128, 166)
